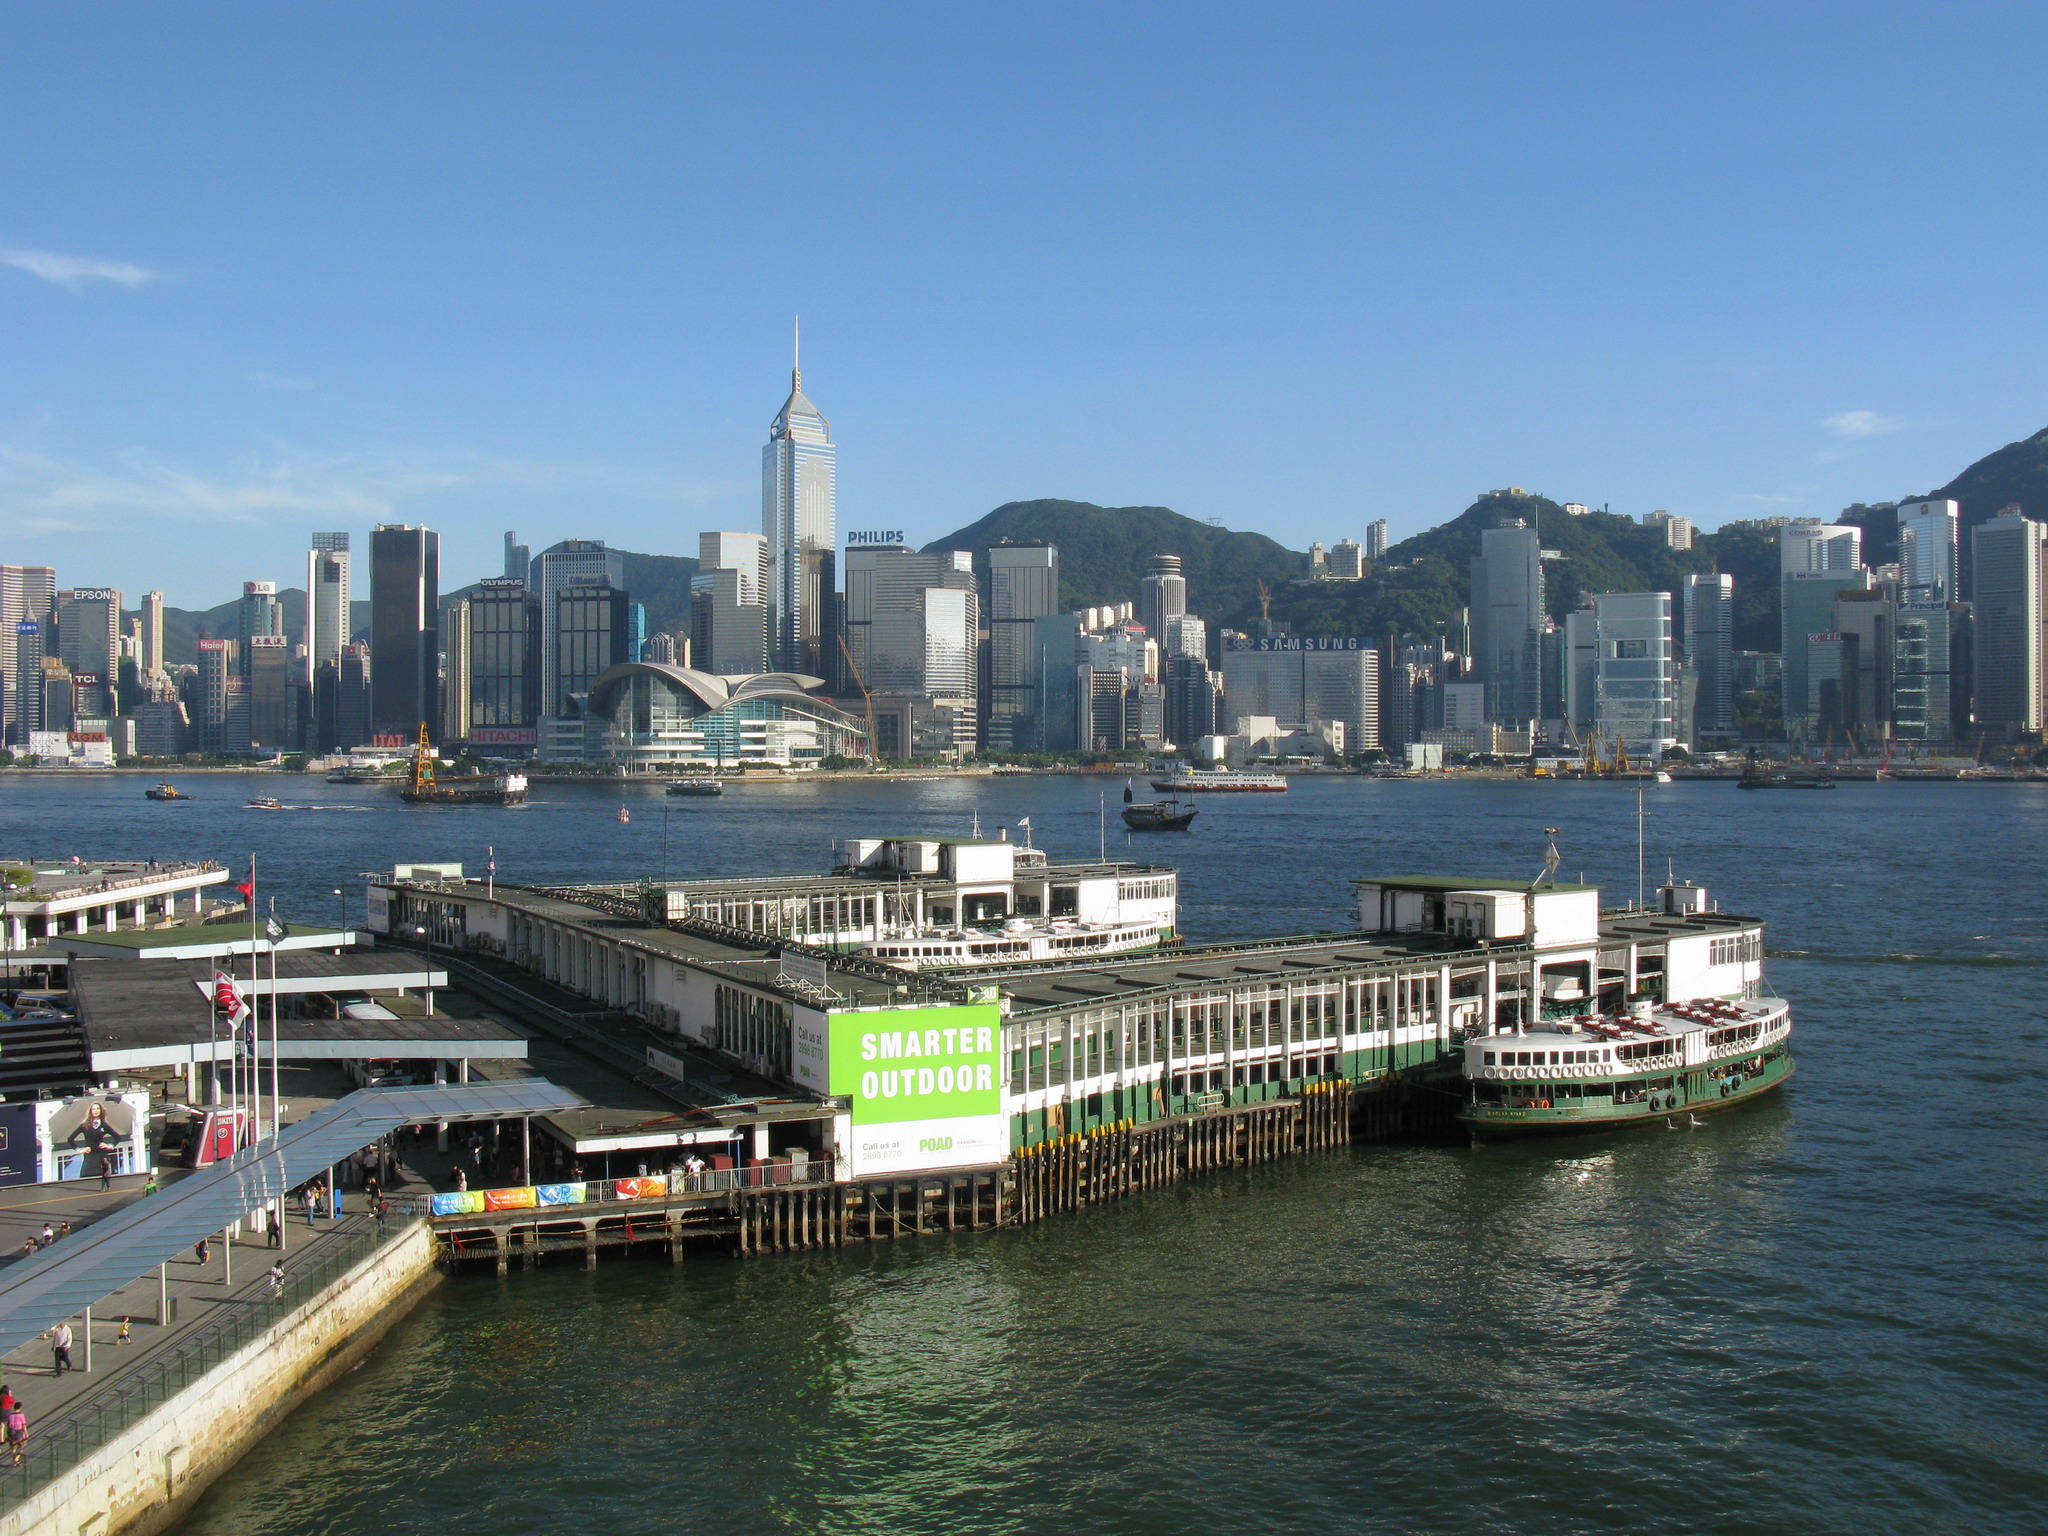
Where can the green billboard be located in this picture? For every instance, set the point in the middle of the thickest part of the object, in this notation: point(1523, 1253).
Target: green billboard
point(899, 1064)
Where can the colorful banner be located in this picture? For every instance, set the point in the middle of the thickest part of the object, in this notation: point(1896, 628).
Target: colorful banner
point(560, 1194)
point(509, 1199)
point(458, 1205)
point(639, 1189)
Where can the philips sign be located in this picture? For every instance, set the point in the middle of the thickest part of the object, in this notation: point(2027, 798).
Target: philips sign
point(875, 536)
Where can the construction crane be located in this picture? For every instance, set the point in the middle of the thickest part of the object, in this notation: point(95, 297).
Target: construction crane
point(861, 683)
point(1265, 603)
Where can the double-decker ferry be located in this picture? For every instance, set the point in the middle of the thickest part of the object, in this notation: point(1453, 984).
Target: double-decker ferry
point(1654, 1064)
point(1225, 781)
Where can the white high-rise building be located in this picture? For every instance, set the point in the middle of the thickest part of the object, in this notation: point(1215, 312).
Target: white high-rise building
point(1376, 539)
point(327, 600)
point(149, 655)
point(1927, 550)
point(1621, 682)
point(1808, 545)
point(28, 595)
point(1162, 595)
point(729, 604)
point(799, 519)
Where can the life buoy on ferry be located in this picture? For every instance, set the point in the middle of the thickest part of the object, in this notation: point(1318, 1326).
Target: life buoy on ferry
point(1725, 1086)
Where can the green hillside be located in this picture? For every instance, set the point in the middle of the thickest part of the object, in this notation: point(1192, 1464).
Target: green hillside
point(662, 584)
point(1104, 552)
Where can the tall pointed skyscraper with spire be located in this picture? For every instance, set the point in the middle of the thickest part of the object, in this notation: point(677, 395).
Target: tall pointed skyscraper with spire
point(799, 504)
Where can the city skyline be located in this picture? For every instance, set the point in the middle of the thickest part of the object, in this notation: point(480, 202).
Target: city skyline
point(213, 350)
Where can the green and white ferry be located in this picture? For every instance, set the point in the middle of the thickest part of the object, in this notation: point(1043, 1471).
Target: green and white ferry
point(1699, 1033)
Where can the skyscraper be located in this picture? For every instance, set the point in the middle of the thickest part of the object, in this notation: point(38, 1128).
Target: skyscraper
point(912, 620)
point(571, 562)
point(89, 640)
point(1376, 539)
point(799, 501)
point(258, 613)
point(149, 659)
point(1162, 595)
point(1927, 550)
point(1809, 611)
point(273, 726)
point(518, 559)
point(1346, 560)
point(1710, 650)
point(1300, 682)
point(216, 671)
point(593, 632)
point(28, 594)
point(26, 638)
point(405, 643)
point(2010, 590)
point(1023, 587)
point(1508, 622)
point(327, 599)
point(729, 604)
point(495, 654)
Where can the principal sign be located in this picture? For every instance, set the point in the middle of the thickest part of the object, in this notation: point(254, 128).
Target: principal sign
point(1302, 643)
point(925, 1085)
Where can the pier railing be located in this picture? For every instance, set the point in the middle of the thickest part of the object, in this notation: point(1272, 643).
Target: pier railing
point(140, 1381)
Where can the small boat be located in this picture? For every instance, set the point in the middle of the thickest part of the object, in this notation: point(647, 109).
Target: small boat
point(695, 787)
point(166, 792)
point(1661, 776)
point(624, 815)
point(266, 803)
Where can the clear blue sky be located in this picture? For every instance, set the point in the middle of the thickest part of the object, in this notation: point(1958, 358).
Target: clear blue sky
point(271, 268)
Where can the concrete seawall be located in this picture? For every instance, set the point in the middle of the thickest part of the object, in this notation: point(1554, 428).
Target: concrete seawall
point(147, 1477)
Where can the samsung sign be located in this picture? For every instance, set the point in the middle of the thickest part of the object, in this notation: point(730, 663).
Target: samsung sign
point(875, 536)
point(1302, 643)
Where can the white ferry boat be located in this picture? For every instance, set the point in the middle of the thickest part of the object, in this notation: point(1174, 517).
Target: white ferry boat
point(1221, 781)
point(1017, 940)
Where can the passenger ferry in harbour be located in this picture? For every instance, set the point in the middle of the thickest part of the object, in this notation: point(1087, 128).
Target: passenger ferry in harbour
point(1653, 1065)
point(1699, 1031)
point(1017, 940)
point(1211, 781)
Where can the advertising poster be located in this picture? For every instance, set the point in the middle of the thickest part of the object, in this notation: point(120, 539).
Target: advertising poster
point(925, 1084)
point(18, 1155)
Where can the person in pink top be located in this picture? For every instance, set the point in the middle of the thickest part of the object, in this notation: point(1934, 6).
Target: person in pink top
point(17, 1432)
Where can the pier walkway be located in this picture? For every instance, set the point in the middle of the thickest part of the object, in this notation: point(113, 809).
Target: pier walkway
point(210, 1316)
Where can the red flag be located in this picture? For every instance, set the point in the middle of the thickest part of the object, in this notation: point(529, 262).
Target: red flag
point(248, 891)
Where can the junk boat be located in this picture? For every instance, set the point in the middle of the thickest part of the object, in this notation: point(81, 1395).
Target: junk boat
point(695, 787)
point(1156, 815)
point(1603, 1072)
point(423, 788)
point(166, 792)
point(1211, 781)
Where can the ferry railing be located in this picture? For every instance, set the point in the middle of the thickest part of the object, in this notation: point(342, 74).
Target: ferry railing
point(154, 1376)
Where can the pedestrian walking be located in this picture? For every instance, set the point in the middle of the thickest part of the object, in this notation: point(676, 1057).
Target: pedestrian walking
point(124, 1336)
point(17, 1432)
point(275, 1275)
point(7, 1398)
point(60, 1349)
point(202, 1250)
point(149, 1185)
point(461, 1182)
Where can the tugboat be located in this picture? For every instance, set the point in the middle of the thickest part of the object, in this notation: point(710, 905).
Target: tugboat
point(1759, 776)
point(1156, 815)
point(165, 791)
point(423, 788)
point(695, 787)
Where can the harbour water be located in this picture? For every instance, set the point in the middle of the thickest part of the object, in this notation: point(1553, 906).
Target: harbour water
point(1818, 1315)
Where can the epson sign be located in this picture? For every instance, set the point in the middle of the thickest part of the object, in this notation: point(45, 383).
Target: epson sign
point(92, 594)
point(875, 536)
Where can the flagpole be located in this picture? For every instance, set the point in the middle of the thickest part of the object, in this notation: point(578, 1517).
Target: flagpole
point(276, 1098)
point(248, 1025)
